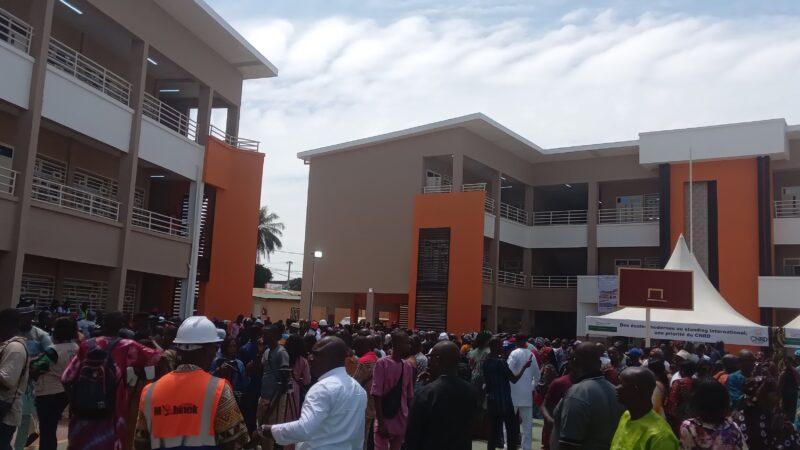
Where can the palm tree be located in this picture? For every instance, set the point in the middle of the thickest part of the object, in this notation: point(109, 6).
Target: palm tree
point(269, 233)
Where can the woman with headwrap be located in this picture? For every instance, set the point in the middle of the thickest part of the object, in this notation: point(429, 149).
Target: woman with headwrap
point(764, 425)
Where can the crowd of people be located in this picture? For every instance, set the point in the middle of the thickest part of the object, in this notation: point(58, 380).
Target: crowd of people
point(146, 382)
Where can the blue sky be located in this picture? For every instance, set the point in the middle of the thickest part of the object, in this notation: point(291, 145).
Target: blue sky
point(557, 72)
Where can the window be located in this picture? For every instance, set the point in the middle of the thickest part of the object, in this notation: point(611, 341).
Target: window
point(39, 289)
point(50, 168)
point(97, 184)
point(92, 292)
point(791, 267)
point(652, 262)
point(129, 301)
point(434, 178)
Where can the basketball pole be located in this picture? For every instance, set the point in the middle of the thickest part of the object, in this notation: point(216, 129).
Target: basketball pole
point(647, 327)
point(691, 204)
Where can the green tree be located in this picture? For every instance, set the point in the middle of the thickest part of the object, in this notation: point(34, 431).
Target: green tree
point(262, 276)
point(295, 284)
point(270, 230)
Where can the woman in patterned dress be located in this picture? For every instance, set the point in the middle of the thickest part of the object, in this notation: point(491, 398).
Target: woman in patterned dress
point(710, 426)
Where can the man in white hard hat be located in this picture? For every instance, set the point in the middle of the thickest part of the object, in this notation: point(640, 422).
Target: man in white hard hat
point(178, 409)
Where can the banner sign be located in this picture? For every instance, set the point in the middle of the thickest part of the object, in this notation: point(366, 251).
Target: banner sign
point(607, 293)
point(791, 337)
point(728, 334)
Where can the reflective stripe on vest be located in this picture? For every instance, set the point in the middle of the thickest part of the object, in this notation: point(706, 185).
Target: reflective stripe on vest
point(180, 409)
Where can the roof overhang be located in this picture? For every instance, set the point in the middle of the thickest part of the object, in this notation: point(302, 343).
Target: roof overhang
point(202, 21)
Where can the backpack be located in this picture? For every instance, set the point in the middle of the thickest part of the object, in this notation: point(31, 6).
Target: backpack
point(93, 394)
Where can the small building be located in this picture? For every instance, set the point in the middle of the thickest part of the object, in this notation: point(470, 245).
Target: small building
point(276, 304)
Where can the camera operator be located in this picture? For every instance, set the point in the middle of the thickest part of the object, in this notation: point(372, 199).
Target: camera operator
point(227, 366)
point(272, 405)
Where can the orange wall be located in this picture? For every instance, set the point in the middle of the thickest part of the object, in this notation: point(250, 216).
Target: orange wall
point(237, 176)
point(462, 212)
point(737, 214)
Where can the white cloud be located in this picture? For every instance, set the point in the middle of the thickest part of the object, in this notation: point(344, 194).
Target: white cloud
point(594, 77)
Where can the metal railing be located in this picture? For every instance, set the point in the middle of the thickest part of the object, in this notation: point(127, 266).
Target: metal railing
point(488, 205)
point(441, 189)
point(160, 223)
point(169, 117)
point(64, 58)
point(511, 278)
point(787, 208)
point(629, 215)
point(75, 199)
point(473, 187)
point(554, 281)
point(511, 212)
point(14, 31)
point(8, 178)
point(233, 141)
point(487, 273)
point(568, 217)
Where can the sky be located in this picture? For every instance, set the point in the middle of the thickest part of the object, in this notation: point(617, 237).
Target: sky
point(557, 72)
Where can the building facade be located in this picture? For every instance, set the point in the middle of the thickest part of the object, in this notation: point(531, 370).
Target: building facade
point(465, 225)
point(115, 189)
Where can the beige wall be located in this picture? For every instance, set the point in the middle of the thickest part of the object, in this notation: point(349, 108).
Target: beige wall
point(610, 191)
point(606, 256)
point(7, 212)
point(157, 254)
point(277, 309)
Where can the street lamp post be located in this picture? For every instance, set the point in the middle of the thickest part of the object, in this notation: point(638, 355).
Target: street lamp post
point(317, 255)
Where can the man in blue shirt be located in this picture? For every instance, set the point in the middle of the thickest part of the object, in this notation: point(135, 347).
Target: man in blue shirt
point(736, 380)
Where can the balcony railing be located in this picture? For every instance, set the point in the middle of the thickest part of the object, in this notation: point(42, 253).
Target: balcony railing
point(488, 205)
point(473, 187)
point(441, 189)
point(511, 278)
point(169, 117)
point(629, 215)
point(8, 179)
point(14, 31)
point(568, 217)
point(233, 141)
point(64, 58)
point(554, 281)
point(787, 208)
point(487, 273)
point(513, 213)
point(159, 223)
point(75, 199)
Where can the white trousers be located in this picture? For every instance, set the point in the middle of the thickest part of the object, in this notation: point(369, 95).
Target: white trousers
point(526, 423)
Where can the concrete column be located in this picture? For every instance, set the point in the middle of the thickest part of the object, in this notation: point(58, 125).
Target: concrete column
point(494, 250)
point(128, 167)
point(458, 171)
point(196, 190)
point(371, 312)
point(232, 123)
point(591, 227)
point(25, 143)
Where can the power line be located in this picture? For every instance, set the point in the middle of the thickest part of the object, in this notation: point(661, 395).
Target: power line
point(291, 253)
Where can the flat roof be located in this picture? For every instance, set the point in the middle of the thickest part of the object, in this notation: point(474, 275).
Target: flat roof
point(494, 132)
point(214, 31)
point(274, 294)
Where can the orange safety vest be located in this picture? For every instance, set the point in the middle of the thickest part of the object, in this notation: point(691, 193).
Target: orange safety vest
point(181, 408)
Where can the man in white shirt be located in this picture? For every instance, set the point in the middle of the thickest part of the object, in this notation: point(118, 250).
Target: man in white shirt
point(333, 410)
point(522, 390)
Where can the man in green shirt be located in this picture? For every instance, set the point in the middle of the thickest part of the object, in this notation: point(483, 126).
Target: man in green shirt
point(640, 428)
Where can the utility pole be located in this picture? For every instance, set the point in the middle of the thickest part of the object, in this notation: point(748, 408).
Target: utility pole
point(288, 274)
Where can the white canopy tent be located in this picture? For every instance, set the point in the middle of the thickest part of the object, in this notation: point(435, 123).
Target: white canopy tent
point(711, 320)
point(792, 333)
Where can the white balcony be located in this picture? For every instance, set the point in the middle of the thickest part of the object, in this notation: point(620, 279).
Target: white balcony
point(168, 139)
point(778, 292)
point(74, 199)
point(170, 117)
point(159, 223)
point(513, 213)
point(554, 281)
point(567, 217)
point(511, 278)
point(786, 224)
point(233, 141)
point(8, 179)
point(440, 189)
point(628, 227)
point(488, 274)
point(16, 63)
point(86, 97)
